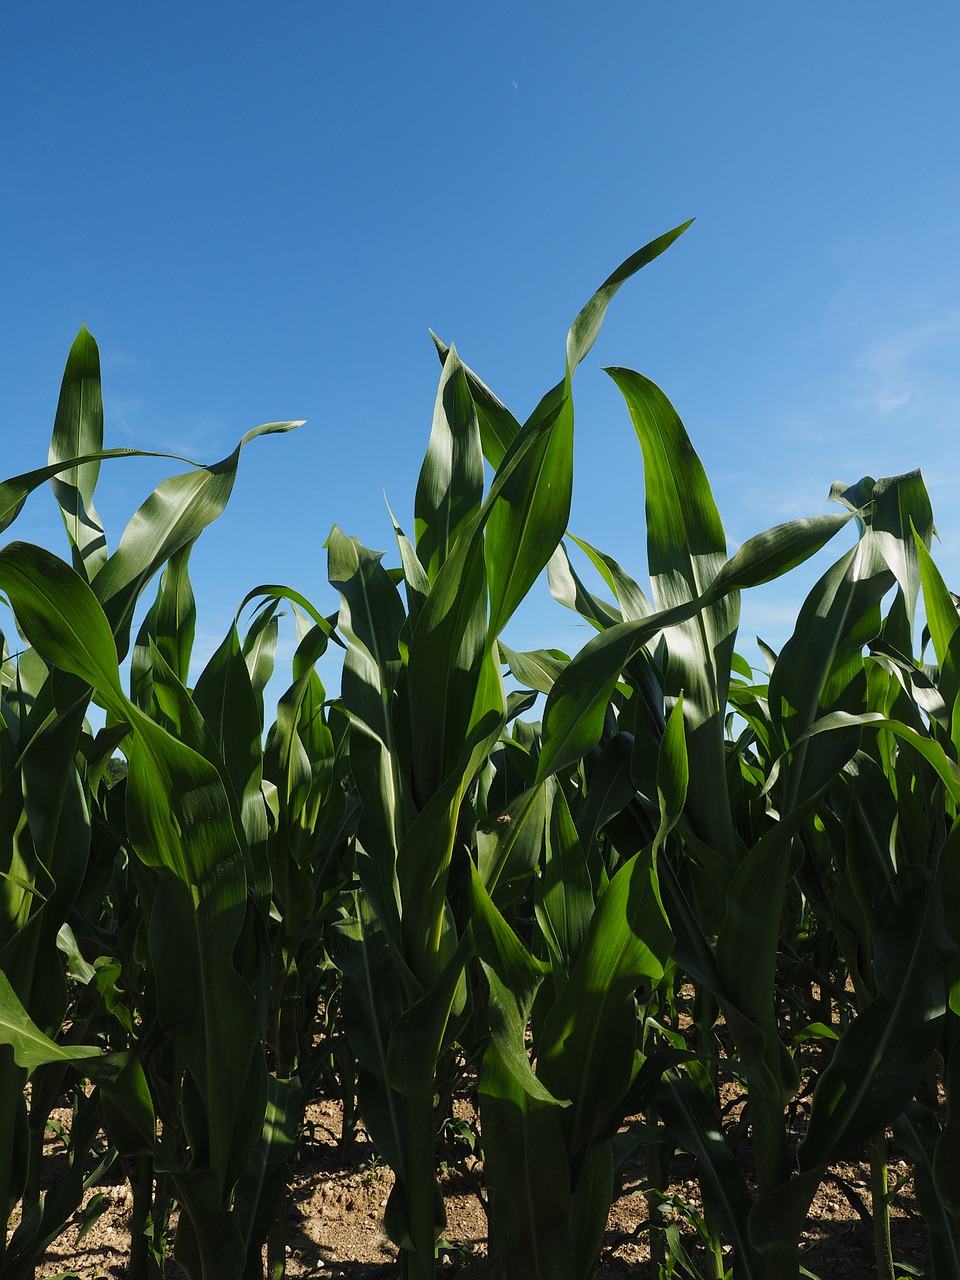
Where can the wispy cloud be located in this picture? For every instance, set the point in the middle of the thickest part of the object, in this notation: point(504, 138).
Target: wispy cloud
point(902, 368)
point(129, 422)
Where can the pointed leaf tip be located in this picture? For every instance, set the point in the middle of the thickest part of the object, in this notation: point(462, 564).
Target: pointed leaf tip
point(586, 327)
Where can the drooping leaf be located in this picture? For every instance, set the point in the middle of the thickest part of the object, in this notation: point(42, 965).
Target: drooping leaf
point(31, 1048)
point(175, 513)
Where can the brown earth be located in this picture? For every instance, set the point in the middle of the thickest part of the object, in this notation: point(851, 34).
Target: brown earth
point(335, 1210)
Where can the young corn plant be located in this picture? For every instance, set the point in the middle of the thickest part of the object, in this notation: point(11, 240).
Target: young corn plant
point(422, 686)
point(178, 820)
point(550, 1110)
point(530, 899)
point(720, 888)
point(287, 799)
point(733, 879)
point(846, 741)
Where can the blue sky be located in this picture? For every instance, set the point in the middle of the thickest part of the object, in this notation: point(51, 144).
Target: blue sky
point(260, 211)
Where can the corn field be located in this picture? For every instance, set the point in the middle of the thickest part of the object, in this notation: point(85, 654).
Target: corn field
point(685, 875)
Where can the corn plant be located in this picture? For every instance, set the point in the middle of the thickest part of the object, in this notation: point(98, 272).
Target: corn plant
point(724, 887)
point(423, 688)
point(178, 819)
point(201, 912)
point(548, 1134)
point(695, 594)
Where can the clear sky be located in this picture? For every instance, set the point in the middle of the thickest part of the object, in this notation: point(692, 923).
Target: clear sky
point(259, 210)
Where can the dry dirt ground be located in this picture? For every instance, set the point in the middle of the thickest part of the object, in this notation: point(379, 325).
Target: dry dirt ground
point(335, 1210)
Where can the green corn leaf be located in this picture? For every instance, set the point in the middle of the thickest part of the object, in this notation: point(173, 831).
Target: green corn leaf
point(686, 551)
point(775, 552)
point(880, 1058)
point(576, 707)
point(821, 668)
point(423, 864)
point(870, 827)
point(588, 1042)
point(275, 593)
point(178, 818)
point(746, 954)
point(260, 649)
point(741, 667)
point(593, 1194)
point(226, 699)
point(508, 855)
point(454, 688)
point(260, 1197)
point(507, 1030)
point(901, 504)
point(527, 523)
point(211, 1017)
point(185, 722)
point(176, 614)
point(128, 1111)
point(418, 1035)
point(673, 774)
point(415, 579)
point(371, 619)
point(528, 1172)
point(841, 722)
point(525, 528)
point(585, 329)
point(568, 590)
point(64, 622)
point(855, 497)
point(169, 625)
point(695, 1127)
point(944, 623)
point(514, 976)
point(286, 762)
point(780, 1215)
point(633, 603)
point(943, 618)
point(78, 430)
point(564, 898)
point(451, 685)
point(450, 488)
point(15, 491)
point(918, 1131)
point(610, 788)
point(31, 1048)
point(922, 691)
point(538, 668)
point(55, 841)
point(574, 715)
point(519, 701)
point(78, 967)
point(373, 1003)
point(177, 511)
point(498, 426)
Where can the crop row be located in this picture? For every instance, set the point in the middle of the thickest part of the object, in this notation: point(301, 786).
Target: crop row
point(206, 917)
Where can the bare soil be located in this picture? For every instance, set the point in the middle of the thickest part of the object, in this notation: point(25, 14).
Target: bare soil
point(334, 1226)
